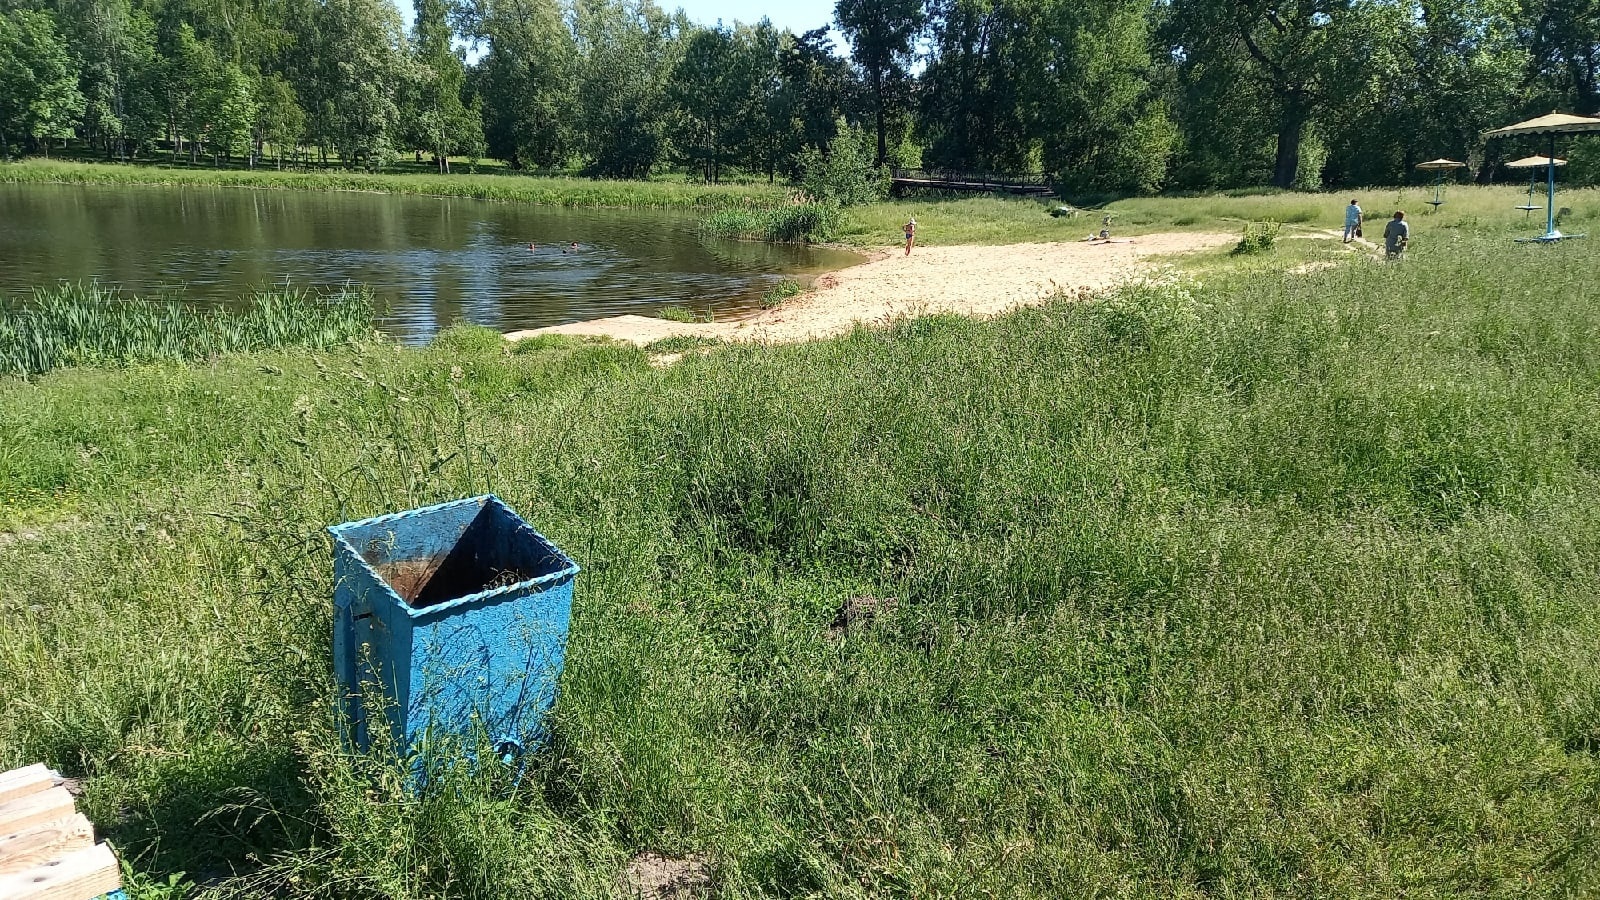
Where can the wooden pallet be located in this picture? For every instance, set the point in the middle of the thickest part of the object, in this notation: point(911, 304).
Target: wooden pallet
point(47, 848)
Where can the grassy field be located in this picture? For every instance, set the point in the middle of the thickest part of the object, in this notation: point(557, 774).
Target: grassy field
point(525, 189)
point(994, 220)
point(1275, 586)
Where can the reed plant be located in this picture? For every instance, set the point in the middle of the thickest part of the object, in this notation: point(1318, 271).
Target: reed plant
point(792, 224)
point(89, 325)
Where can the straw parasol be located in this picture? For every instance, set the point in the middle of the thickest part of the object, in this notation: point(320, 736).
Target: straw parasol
point(1438, 167)
point(1535, 162)
point(1549, 126)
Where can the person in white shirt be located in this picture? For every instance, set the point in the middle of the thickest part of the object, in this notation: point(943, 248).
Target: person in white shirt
point(1352, 221)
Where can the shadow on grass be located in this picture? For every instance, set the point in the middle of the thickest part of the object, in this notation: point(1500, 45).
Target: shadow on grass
point(218, 815)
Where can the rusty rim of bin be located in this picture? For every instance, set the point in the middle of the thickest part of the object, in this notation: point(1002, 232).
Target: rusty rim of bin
point(568, 569)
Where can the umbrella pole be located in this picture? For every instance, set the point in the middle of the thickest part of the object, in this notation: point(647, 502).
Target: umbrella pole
point(1550, 192)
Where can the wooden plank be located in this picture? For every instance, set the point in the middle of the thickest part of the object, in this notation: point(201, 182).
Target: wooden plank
point(38, 845)
point(78, 875)
point(35, 809)
point(26, 780)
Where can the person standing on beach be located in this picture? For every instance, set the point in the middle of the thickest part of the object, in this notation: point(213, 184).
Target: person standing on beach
point(1352, 221)
point(911, 234)
point(1396, 235)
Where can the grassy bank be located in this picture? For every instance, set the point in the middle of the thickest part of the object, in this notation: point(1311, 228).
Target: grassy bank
point(995, 220)
point(1276, 587)
point(575, 192)
point(87, 325)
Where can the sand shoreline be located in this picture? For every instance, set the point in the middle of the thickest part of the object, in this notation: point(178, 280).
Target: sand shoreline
point(968, 280)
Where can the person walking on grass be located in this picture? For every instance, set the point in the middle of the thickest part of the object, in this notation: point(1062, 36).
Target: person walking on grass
point(911, 234)
point(1352, 221)
point(1396, 235)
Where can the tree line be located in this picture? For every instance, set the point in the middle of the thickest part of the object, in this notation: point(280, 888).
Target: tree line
point(1104, 95)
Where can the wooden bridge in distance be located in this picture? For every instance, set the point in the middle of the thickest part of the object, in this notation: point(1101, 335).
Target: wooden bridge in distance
point(1035, 184)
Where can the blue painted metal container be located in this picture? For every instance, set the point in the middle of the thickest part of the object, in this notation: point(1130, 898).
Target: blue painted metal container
point(456, 615)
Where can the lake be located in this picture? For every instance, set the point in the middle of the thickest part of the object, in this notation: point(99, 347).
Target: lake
point(431, 261)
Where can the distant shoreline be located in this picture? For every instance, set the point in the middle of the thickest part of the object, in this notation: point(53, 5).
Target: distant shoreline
point(530, 189)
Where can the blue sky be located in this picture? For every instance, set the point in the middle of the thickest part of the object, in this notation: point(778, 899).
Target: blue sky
point(798, 16)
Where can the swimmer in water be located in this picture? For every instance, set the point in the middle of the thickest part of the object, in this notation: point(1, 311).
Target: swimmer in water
point(531, 248)
point(574, 246)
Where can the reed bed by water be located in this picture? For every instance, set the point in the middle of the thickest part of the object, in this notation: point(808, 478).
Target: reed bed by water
point(1278, 586)
point(570, 192)
point(797, 223)
point(89, 325)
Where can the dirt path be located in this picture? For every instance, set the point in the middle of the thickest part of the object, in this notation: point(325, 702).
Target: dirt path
point(979, 281)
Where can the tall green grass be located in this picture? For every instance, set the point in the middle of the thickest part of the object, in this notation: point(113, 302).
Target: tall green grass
point(572, 192)
point(796, 223)
point(1272, 587)
point(88, 325)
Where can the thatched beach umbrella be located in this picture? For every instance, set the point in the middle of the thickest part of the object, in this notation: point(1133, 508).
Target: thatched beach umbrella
point(1550, 126)
point(1533, 162)
point(1438, 167)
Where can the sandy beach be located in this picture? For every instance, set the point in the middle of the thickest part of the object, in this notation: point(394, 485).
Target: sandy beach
point(969, 280)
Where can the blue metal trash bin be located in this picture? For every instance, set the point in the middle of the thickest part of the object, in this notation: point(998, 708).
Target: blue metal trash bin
point(456, 615)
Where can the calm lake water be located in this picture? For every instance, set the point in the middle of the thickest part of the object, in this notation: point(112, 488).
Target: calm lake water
point(431, 261)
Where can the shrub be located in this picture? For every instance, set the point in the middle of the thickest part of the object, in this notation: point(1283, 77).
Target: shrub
point(1258, 237)
point(778, 293)
point(466, 338)
point(676, 314)
point(844, 174)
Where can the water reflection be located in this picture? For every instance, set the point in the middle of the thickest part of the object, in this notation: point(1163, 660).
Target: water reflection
point(433, 261)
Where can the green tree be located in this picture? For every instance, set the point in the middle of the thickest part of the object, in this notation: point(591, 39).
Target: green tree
point(439, 120)
point(814, 84)
point(1102, 125)
point(845, 173)
point(627, 51)
point(881, 35)
point(525, 81)
point(980, 93)
point(39, 98)
point(1565, 46)
point(279, 119)
point(372, 67)
point(1299, 53)
point(115, 46)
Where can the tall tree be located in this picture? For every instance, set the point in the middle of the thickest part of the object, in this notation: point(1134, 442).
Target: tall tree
point(371, 69)
point(1566, 48)
point(39, 98)
point(1298, 51)
point(627, 51)
point(525, 80)
point(981, 86)
point(814, 86)
point(439, 120)
point(881, 35)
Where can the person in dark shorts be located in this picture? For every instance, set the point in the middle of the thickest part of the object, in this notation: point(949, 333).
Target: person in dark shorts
point(1396, 235)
